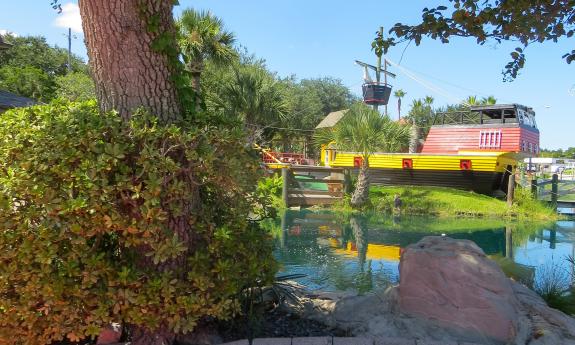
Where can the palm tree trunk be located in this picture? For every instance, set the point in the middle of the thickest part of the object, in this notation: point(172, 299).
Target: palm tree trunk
point(360, 234)
point(196, 77)
point(361, 194)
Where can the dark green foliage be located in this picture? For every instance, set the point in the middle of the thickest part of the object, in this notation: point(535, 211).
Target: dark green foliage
point(28, 81)
point(30, 67)
point(85, 200)
point(559, 153)
point(524, 21)
point(34, 51)
point(285, 111)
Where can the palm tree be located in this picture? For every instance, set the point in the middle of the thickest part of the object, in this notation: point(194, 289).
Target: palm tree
point(202, 37)
point(488, 100)
point(257, 98)
point(399, 94)
point(365, 131)
point(471, 100)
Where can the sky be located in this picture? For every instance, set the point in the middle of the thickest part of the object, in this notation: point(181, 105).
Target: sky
point(311, 39)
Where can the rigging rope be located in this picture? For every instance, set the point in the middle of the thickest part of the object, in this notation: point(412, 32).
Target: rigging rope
point(427, 85)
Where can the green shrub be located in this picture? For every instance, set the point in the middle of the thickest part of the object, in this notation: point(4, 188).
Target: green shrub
point(271, 185)
point(88, 208)
point(269, 193)
point(525, 206)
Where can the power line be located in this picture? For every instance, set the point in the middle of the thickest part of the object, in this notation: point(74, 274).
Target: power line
point(425, 84)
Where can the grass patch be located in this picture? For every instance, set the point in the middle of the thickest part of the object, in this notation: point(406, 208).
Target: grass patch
point(449, 202)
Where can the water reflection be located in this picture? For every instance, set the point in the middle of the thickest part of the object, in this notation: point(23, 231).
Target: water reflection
point(361, 253)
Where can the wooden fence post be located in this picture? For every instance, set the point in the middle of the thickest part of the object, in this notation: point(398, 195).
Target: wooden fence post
point(534, 188)
point(285, 185)
point(510, 189)
point(347, 181)
point(508, 242)
point(554, 189)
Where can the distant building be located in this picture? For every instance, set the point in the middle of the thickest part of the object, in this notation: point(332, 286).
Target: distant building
point(4, 44)
point(548, 164)
point(331, 119)
point(9, 100)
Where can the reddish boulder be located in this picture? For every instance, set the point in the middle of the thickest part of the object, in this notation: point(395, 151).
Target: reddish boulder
point(452, 283)
point(110, 334)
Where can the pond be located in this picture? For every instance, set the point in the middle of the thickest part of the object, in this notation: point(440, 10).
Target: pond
point(361, 253)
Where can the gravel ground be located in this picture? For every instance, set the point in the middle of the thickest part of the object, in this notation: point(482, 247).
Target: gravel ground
point(275, 323)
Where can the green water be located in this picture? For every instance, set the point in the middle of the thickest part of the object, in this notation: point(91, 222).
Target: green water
point(361, 253)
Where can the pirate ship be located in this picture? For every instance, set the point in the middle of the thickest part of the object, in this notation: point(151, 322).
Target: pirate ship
point(474, 150)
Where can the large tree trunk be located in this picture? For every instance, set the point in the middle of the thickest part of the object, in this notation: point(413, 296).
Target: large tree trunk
point(128, 75)
point(361, 194)
point(127, 72)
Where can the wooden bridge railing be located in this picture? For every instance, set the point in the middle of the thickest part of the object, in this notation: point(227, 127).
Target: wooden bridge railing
point(554, 190)
point(299, 193)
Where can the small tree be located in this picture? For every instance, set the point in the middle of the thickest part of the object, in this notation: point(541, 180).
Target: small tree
point(399, 94)
point(365, 131)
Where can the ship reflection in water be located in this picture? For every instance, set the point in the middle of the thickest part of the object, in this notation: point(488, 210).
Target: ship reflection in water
point(361, 252)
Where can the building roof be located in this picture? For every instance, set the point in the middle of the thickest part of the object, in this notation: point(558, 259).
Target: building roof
point(4, 44)
point(12, 100)
point(331, 119)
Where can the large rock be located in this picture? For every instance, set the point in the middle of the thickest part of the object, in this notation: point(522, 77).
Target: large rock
point(453, 284)
point(450, 293)
point(110, 335)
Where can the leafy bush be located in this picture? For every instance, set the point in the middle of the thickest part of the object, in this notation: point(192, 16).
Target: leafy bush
point(271, 185)
point(269, 192)
point(88, 208)
point(76, 86)
point(524, 205)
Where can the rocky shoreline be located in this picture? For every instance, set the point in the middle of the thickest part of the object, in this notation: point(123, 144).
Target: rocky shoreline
point(449, 292)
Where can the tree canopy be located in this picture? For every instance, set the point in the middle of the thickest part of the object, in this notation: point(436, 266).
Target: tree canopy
point(524, 21)
point(32, 68)
point(202, 37)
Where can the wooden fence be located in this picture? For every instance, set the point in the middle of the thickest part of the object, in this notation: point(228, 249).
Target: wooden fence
point(554, 190)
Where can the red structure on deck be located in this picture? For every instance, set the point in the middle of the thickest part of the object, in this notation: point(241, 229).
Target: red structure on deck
point(270, 157)
point(501, 127)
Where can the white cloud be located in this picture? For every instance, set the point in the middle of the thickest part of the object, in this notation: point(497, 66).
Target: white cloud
point(5, 32)
point(69, 18)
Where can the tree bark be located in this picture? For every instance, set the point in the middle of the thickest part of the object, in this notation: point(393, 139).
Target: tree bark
point(361, 194)
point(128, 73)
point(414, 138)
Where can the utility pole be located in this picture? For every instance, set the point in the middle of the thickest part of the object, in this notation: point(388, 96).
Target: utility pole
point(378, 70)
point(69, 50)
point(385, 78)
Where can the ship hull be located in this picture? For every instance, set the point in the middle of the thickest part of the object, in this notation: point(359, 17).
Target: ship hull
point(484, 182)
point(483, 173)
